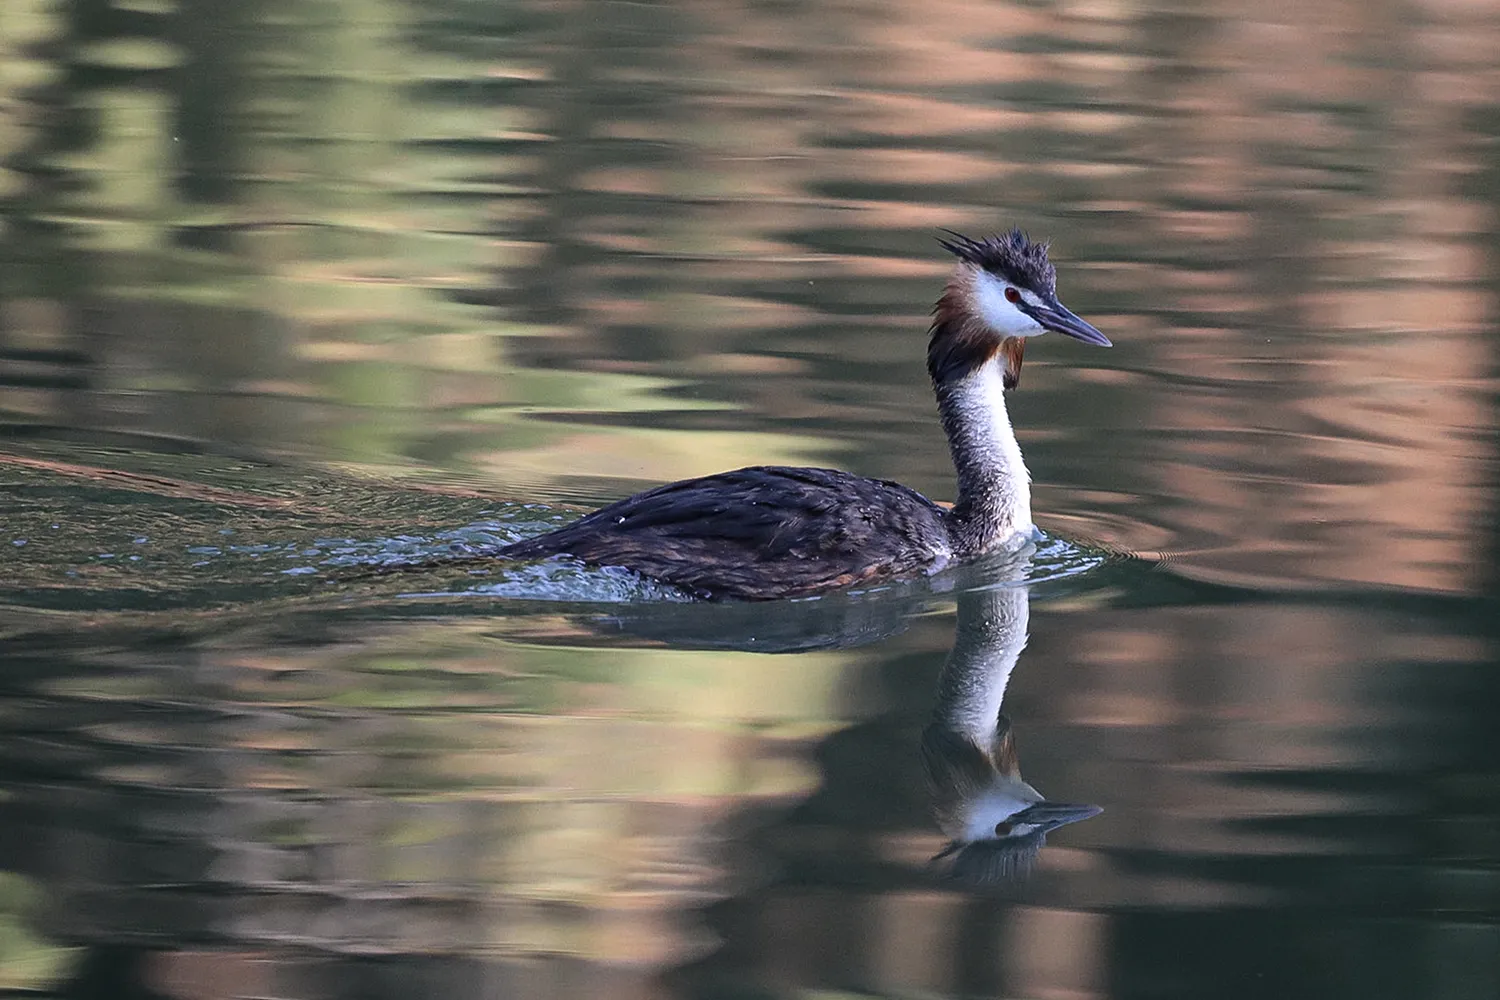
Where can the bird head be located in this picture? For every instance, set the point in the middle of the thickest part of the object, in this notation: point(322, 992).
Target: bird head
point(1003, 291)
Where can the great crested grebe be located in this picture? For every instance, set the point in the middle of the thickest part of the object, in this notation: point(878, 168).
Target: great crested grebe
point(770, 532)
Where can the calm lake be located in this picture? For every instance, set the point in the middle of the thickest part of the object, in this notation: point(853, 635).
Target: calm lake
point(293, 292)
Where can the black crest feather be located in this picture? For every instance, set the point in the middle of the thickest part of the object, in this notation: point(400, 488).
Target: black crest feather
point(1012, 256)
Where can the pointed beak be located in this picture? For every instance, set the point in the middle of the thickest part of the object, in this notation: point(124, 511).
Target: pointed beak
point(1059, 318)
point(1051, 815)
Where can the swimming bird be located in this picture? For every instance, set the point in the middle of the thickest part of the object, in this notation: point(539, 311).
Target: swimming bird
point(769, 532)
point(995, 822)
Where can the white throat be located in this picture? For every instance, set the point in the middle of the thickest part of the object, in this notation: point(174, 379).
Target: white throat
point(994, 488)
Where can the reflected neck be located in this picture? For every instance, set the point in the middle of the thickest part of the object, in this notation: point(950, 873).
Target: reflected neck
point(991, 635)
point(994, 488)
point(968, 749)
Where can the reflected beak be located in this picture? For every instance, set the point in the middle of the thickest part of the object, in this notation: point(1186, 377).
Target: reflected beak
point(1051, 815)
point(1059, 318)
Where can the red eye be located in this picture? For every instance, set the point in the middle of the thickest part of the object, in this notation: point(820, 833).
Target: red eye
point(1011, 295)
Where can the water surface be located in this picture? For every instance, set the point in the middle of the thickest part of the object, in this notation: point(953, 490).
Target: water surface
point(292, 293)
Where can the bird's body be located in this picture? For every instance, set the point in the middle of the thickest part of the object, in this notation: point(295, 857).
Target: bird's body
point(765, 531)
point(772, 532)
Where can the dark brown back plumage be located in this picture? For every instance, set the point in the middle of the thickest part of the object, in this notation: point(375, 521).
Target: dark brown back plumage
point(759, 533)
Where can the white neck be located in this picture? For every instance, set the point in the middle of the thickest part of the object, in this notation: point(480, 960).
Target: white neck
point(994, 488)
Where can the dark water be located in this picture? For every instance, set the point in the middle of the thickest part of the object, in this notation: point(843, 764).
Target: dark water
point(291, 290)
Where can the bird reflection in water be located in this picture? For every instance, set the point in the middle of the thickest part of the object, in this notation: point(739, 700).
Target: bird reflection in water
point(995, 822)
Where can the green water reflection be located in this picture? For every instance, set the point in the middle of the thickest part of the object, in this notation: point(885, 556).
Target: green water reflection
point(290, 289)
